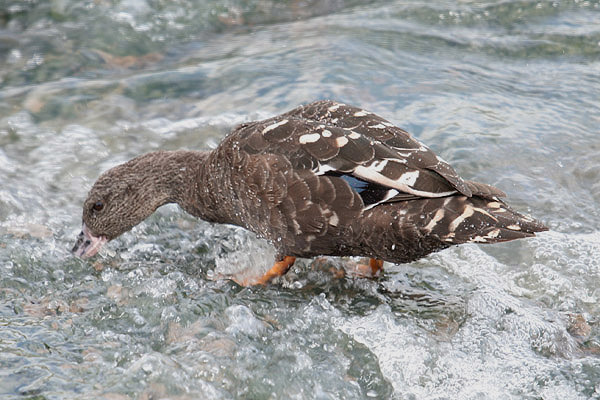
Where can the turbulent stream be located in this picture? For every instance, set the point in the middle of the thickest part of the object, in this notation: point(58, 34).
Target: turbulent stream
point(508, 92)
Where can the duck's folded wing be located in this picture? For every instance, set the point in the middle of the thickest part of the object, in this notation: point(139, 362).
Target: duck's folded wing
point(354, 119)
point(373, 168)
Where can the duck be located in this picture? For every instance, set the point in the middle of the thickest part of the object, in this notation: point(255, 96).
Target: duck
point(324, 179)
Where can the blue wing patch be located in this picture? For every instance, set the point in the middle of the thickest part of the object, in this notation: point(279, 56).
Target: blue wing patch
point(356, 184)
point(372, 193)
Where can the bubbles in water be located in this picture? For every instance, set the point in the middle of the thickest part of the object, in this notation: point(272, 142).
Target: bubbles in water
point(242, 321)
point(507, 91)
point(243, 256)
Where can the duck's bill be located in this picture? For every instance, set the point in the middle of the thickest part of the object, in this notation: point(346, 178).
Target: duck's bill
point(87, 244)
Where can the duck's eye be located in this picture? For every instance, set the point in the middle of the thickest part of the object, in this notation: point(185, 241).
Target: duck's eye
point(98, 206)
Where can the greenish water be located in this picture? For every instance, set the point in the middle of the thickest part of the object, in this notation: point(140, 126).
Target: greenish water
point(508, 92)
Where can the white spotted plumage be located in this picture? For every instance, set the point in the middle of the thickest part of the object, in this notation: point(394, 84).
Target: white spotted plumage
point(467, 212)
point(309, 138)
point(341, 141)
point(404, 168)
point(275, 125)
point(382, 164)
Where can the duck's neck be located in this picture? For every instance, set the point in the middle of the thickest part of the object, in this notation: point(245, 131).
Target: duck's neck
point(186, 178)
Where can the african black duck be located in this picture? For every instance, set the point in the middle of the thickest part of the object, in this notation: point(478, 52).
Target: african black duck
point(322, 179)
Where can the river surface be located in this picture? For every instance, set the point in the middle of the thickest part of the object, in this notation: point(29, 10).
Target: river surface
point(508, 92)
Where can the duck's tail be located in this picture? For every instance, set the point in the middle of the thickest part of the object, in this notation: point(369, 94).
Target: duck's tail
point(405, 231)
point(477, 219)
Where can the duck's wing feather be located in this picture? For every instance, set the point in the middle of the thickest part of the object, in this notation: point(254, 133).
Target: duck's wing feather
point(336, 140)
point(417, 155)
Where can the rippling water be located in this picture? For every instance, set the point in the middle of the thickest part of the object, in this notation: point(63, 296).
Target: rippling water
point(507, 91)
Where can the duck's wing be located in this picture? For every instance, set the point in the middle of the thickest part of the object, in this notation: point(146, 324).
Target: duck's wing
point(417, 156)
point(372, 163)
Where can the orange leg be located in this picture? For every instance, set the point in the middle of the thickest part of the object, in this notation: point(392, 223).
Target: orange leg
point(376, 265)
point(279, 269)
point(368, 271)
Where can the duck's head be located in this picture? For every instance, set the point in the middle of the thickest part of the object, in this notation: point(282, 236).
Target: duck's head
point(121, 198)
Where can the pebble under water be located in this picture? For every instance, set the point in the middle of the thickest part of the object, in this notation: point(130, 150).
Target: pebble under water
point(505, 91)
